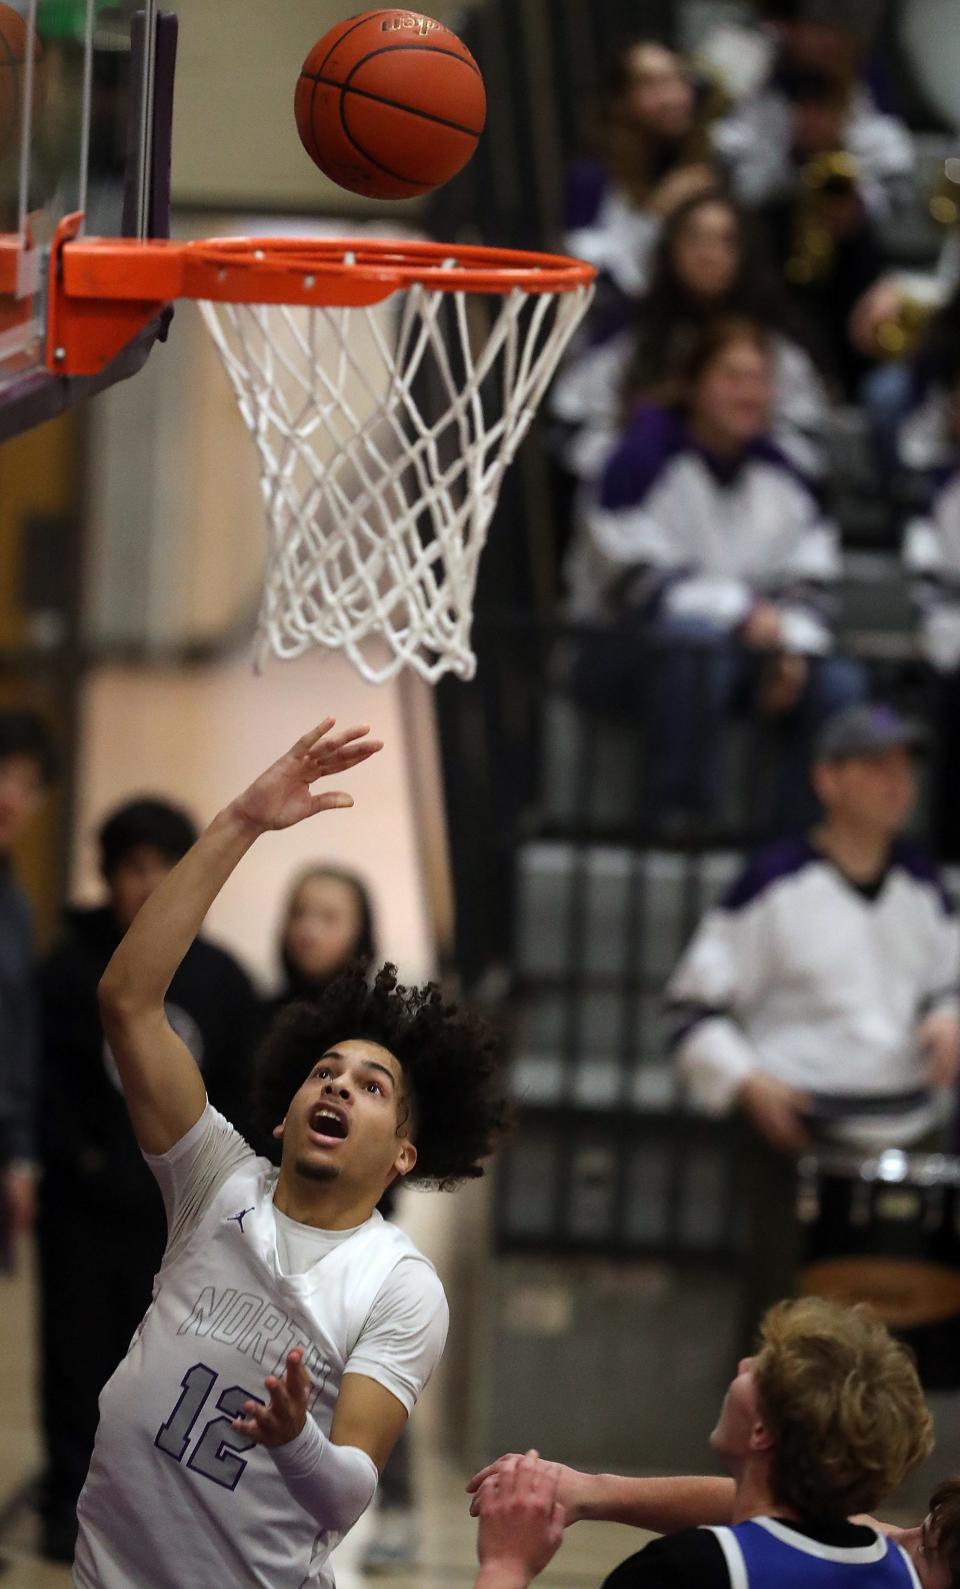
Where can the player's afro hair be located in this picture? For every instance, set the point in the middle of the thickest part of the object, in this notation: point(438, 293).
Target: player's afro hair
point(450, 1058)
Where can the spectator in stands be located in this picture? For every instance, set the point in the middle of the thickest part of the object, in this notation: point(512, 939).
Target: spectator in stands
point(820, 997)
point(823, 166)
point(667, 1505)
point(804, 1456)
point(882, 327)
point(816, 99)
point(714, 560)
point(932, 558)
point(911, 402)
point(707, 264)
point(102, 1227)
point(652, 153)
point(328, 922)
point(27, 770)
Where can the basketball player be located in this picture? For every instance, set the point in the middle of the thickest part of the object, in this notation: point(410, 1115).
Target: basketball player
point(292, 1329)
point(825, 1421)
point(529, 1489)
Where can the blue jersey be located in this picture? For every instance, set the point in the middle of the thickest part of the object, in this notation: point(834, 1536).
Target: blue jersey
point(765, 1553)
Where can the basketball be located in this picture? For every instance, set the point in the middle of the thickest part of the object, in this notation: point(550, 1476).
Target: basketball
point(13, 55)
point(390, 104)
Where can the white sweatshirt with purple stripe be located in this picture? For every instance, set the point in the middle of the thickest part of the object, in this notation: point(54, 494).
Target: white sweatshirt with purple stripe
point(671, 530)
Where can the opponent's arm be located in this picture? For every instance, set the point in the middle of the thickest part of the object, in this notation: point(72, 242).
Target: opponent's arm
point(521, 1525)
point(162, 1084)
point(333, 1479)
point(661, 1505)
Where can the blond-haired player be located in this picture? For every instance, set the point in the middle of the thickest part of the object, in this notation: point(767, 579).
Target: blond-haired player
point(823, 1423)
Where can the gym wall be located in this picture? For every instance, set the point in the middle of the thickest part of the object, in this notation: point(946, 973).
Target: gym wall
point(235, 141)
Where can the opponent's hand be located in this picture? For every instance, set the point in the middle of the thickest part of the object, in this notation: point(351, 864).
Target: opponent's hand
point(521, 1522)
point(277, 1422)
point(939, 1038)
point(777, 1111)
point(570, 1483)
point(282, 795)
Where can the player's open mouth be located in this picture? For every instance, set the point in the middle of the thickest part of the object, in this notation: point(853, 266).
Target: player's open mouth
point(328, 1125)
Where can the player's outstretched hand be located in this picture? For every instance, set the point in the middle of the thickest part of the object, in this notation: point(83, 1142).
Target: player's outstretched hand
point(570, 1483)
point(521, 1523)
point(282, 796)
point(280, 1420)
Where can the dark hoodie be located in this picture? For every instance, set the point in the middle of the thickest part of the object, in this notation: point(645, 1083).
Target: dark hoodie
point(89, 1153)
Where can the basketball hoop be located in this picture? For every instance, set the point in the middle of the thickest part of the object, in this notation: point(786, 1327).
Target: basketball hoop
point(387, 387)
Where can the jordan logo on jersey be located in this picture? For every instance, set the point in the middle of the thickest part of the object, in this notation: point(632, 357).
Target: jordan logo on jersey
point(239, 1217)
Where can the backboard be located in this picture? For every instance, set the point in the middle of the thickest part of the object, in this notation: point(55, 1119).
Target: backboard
point(86, 100)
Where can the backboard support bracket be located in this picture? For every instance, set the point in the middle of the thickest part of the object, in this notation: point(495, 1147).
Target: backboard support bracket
point(41, 394)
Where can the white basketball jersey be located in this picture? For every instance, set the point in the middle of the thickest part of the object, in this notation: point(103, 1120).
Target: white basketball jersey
point(174, 1495)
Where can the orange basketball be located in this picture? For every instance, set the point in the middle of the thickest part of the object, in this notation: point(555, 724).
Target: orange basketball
point(13, 55)
point(390, 104)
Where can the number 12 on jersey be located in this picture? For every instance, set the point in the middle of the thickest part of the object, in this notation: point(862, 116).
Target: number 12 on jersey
point(215, 1453)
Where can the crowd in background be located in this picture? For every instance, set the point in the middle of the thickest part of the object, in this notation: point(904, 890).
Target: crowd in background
point(739, 209)
point(740, 222)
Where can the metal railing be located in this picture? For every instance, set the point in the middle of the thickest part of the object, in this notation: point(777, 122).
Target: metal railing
point(576, 896)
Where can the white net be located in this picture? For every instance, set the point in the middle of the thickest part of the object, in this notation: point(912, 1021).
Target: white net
point(383, 435)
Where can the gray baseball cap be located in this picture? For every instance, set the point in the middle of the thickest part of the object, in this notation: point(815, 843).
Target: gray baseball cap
point(862, 17)
point(869, 731)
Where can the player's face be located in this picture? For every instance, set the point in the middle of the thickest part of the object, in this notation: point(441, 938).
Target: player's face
point(21, 793)
point(349, 1121)
point(660, 96)
point(732, 397)
point(706, 251)
point(739, 1417)
point(920, 1544)
point(134, 878)
point(873, 792)
point(323, 926)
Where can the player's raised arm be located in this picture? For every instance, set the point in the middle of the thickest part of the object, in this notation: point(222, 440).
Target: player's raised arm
point(333, 1479)
point(162, 1085)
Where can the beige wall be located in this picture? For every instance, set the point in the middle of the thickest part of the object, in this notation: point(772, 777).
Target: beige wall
point(176, 536)
point(199, 735)
point(235, 139)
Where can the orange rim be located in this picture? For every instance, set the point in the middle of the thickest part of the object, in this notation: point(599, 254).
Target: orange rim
point(105, 290)
point(387, 264)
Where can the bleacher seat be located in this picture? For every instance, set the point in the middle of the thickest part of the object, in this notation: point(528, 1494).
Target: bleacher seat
point(876, 615)
point(910, 236)
point(676, 889)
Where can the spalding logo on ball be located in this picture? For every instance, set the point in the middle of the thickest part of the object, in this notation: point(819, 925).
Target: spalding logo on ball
point(390, 104)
